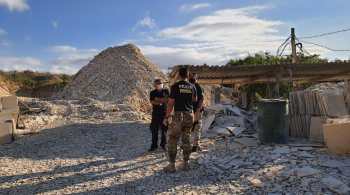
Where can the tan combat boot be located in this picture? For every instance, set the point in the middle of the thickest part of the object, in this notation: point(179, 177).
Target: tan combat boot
point(170, 168)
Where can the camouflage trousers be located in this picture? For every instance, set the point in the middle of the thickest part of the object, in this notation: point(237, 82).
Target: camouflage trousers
point(197, 131)
point(180, 126)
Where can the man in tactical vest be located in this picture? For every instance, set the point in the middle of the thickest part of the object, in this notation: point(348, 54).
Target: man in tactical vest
point(182, 96)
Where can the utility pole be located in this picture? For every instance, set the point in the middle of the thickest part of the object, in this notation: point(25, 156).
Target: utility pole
point(294, 50)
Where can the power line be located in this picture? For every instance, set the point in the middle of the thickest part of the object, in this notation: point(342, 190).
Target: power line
point(326, 47)
point(302, 49)
point(325, 34)
point(283, 45)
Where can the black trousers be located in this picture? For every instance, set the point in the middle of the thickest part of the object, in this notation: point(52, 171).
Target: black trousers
point(156, 126)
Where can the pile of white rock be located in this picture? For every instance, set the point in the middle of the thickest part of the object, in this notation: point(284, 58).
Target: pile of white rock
point(119, 74)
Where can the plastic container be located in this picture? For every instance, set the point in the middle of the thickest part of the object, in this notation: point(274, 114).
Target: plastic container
point(273, 121)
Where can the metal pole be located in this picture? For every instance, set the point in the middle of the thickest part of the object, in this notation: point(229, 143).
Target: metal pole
point(294, 50)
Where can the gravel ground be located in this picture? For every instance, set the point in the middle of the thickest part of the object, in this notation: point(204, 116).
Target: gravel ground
point(111, 158)
point(88, 159)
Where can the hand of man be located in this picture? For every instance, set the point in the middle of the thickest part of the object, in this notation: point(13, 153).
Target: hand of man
point(166, 122)
point(162, 100)
point(158, 99)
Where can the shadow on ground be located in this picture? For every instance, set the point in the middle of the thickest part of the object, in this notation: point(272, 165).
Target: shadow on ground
point(113, 156)
point(81, 141)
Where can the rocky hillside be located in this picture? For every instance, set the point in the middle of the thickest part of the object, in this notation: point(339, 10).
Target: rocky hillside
point(32, 84)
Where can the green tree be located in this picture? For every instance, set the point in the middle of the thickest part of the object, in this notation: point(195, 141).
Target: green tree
point(266, 58)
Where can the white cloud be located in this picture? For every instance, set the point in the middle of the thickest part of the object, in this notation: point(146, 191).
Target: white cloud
point(64, 69)
point(226, 25)
point(15, 5)
point(54, 24)
point(193, 7)
point(169, 56)
point(19, 63)
point(63, 49)
point(70, 59)
point(146, 22)
point(215, 38)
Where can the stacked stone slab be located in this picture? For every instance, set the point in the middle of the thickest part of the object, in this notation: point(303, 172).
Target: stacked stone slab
point(121, 74)
point(311, 107)
point(8, 117)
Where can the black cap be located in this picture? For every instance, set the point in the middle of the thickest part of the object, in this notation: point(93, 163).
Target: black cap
point(158, 81)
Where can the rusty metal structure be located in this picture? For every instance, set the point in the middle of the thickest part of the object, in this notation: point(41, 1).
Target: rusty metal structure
point(270, 73)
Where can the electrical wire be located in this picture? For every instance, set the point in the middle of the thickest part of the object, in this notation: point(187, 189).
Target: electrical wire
point(326, 47)
point(325, 34)
point(283, 45)
point(302, 49)
point(284, 48)
point(307, 52)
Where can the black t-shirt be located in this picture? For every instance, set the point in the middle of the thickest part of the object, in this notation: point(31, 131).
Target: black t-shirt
point(159, 94)
point(200, 96)
point(182, 92)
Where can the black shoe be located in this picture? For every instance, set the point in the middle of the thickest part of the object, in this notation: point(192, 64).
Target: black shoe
point(152, 149)
point(196, 149)
point(163, 147)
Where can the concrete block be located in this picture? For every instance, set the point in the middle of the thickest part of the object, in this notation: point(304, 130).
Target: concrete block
point(335, 105)
point(9, 102)
point(337, 137)
point(6, 131)
point(9, 114)
point(316, 129)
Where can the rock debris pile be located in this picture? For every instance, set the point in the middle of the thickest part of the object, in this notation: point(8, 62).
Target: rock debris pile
point(278, 169)
point(121, 74)
point(39, 114)
point(228, 120)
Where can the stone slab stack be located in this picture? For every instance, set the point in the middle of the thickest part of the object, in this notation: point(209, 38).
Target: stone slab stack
point(8, 118)
point(310, 108)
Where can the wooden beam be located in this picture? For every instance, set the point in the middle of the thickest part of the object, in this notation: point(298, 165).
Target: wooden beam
point(248, 74)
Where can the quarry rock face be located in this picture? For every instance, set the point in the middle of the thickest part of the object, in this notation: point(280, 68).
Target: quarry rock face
point(121, 74)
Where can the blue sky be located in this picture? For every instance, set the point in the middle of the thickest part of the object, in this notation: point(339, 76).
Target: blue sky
point(62, 36)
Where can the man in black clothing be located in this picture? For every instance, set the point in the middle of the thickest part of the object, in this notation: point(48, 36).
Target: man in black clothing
point(182, 96)
point(159, 98)
point(198, 111)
